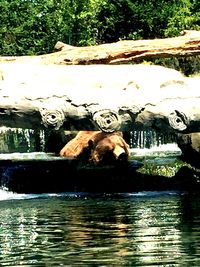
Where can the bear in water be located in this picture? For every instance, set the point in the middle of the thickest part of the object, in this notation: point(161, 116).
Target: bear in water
point(98, 148)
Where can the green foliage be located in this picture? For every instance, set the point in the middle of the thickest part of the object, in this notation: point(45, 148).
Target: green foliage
point(167, 170)
point(181, 20)
point(28, 26)
point(34, 27)
point(140, 19)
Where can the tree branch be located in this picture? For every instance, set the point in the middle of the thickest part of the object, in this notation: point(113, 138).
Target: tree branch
point(120, 52)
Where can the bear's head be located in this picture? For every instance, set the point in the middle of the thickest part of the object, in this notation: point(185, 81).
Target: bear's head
point(97, 147)
point(107, 148)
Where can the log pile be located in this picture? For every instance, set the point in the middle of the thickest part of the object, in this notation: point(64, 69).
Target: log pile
point(107, 97)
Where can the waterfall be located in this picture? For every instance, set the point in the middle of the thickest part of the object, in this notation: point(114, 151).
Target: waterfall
point(21, 140)
point(143, 145)
point(28, 140)
point(149, 139)
point(149, 143)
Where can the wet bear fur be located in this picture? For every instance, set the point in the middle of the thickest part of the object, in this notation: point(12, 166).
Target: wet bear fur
point(98, 148)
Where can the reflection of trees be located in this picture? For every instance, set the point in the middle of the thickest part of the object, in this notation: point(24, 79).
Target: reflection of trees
point(120, 232)
point(189, 226)
point(138, 234)
point(144, 233)
point(30, 233)
point(18, 233)
point(156, 233)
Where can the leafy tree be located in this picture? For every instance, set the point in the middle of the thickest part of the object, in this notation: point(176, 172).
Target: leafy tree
point(142, 19)
point(182, 19)
point(34, 26)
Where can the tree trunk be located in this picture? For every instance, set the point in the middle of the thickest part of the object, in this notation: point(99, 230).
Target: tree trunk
point(120, 52)
point(105, 97)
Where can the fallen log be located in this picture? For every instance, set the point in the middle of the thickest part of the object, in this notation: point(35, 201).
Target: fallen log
point(115, 53)
point(98, 97)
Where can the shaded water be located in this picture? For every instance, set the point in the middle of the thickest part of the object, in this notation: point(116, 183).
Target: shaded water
point(140, 229)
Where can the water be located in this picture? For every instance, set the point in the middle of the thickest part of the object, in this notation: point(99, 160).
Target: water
point(21, 140)
point(28, 140)
point(76, 229)
point(149, 139)
point(139, 229)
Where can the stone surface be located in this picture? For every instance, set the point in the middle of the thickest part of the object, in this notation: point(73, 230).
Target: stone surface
point(98, 97)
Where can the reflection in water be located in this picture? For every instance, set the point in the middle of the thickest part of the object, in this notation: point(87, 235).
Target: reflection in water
point(149, 229)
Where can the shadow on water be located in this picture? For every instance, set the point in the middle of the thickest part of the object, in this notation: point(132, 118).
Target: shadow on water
point(76, 229)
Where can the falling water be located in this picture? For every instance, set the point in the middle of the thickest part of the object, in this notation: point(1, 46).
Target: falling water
point(149, 139)
point(21, 140)
point(19, 148)
point(28, 140)
point(31, 145)
point(149, 143)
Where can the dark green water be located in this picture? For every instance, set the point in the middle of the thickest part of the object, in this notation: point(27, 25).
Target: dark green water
point(142, 229)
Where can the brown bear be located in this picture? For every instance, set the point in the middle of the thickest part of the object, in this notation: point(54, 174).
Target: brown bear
point(97, 147)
